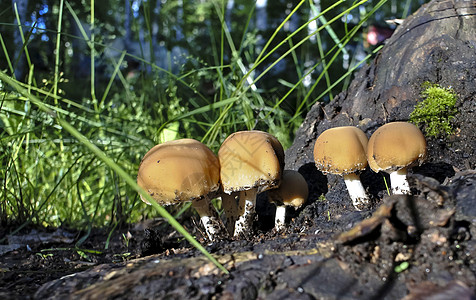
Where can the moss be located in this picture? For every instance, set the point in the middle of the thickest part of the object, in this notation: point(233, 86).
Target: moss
point(436, 110)
point(322, 198)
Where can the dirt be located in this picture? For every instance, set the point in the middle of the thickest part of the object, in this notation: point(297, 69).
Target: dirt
point(348, 255)
point(419, 246)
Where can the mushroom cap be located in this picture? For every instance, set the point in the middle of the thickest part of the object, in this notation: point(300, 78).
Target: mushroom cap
point(395, 146)
point(179, 171)
point(341, 150)
point(250, 159)
point(293, 190)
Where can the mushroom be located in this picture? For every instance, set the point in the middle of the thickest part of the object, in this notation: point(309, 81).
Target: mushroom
point(293, 191)
point(230, 209)
point(342, 151)
point(395, 147)
point(251, 162)
point(181, 171)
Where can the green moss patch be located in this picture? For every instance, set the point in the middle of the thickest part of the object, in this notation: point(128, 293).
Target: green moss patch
point(436, 110)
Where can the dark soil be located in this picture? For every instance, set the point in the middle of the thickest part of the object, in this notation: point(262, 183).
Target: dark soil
point(407, 246)
point(401, 247)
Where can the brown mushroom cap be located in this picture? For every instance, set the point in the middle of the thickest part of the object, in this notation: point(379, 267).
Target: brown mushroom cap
point(293, 190)
point(178, 171)
point(341, 150)
point(395, 146)
point(250, 159)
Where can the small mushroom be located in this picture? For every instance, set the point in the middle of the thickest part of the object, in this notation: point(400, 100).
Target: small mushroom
point(293, 191)
point(251, 162)
point(395, 147)
point(341, 151)
point(181, 171)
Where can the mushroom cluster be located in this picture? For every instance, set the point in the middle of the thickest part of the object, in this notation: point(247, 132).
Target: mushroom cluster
point(248, 163)
point(392, 148)
point(251, 162)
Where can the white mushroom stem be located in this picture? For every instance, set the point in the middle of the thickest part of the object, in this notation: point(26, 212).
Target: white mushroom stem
point(246, 210)
point(230, 208)
point(280, 217)
point(356, 191)
point(208, 216)
point(399, 182)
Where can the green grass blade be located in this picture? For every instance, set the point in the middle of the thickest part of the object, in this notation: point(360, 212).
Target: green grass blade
point(262, 56)
point(114, 166)
point(7, 57)
point(93, 56)
point(344, 42)
point(200, 110)
point(57, 54)
point(111, 80)
point(349, 72)
point(271, 66)
point(77, 21)
point(24, 40)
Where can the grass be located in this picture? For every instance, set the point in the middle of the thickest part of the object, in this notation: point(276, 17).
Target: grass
point(71, 150)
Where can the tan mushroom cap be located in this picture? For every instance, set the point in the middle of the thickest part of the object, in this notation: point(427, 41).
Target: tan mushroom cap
point(178, 171)
point(341, 150)
point(293, 190)
point(250, 159)
point(395, 146)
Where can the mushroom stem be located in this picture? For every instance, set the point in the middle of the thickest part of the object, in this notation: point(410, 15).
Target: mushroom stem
point(356, 190)
point(246, 210)
point(230, 207)
point(280, 217)
point(208, 217)
point(399, 182)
